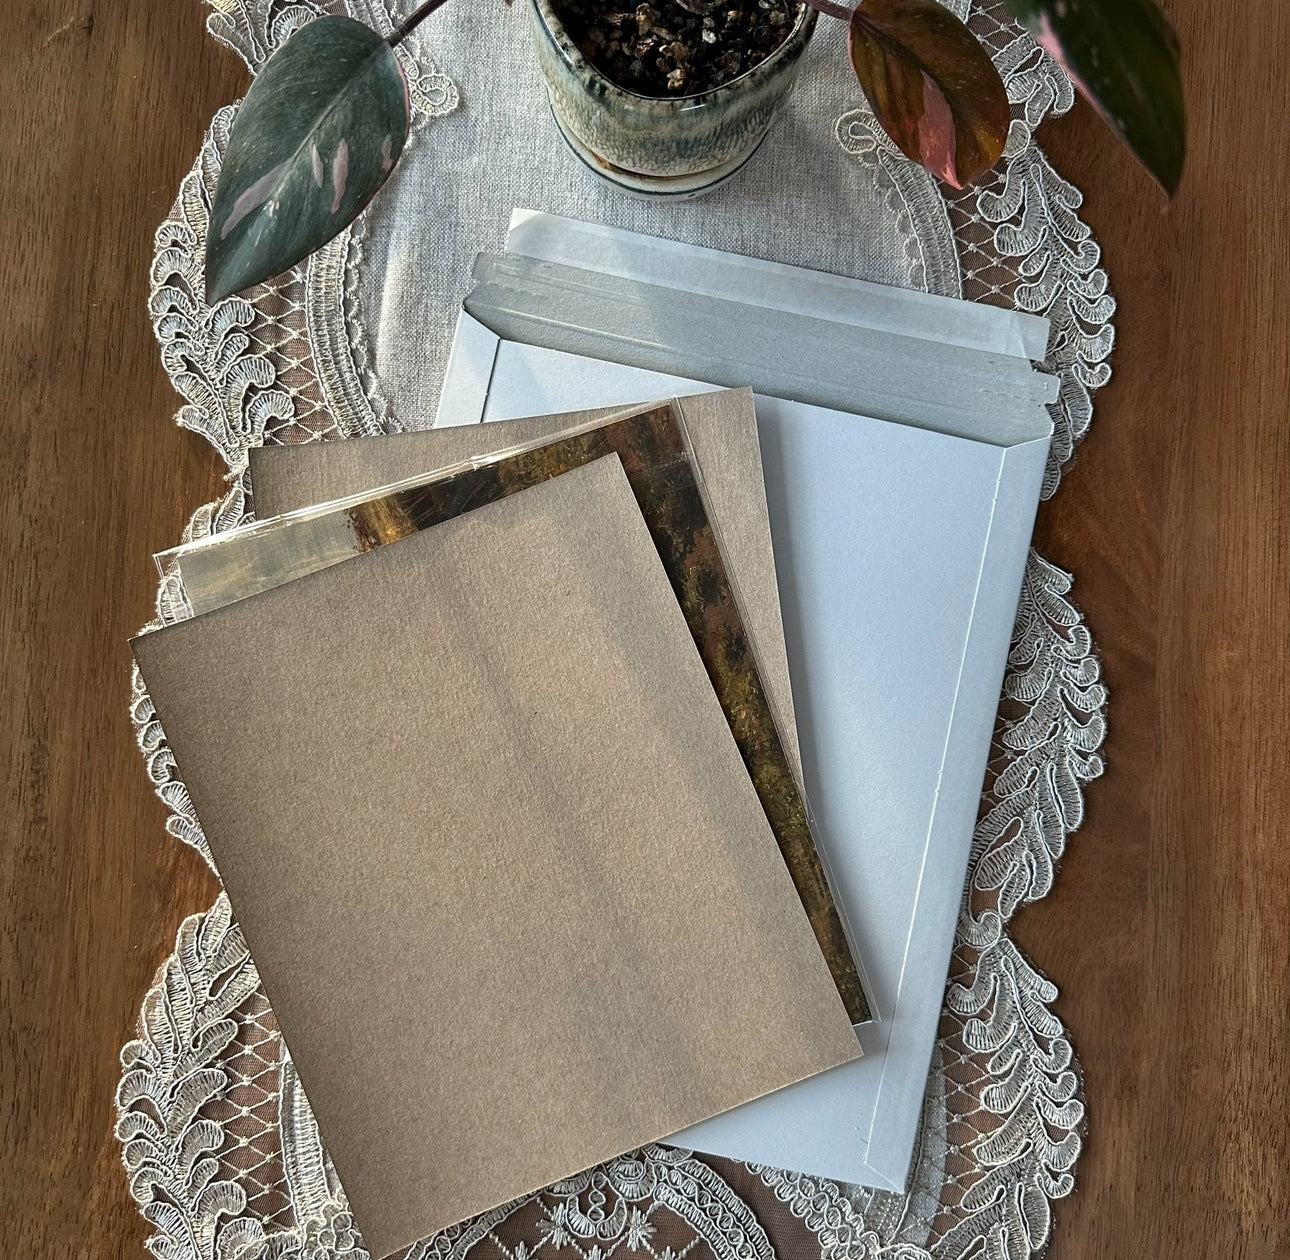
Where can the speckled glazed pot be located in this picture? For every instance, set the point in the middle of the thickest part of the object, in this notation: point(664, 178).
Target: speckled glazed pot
point(675, 147)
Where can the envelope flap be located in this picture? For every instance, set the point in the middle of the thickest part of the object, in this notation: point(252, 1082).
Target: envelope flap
point(889, 376)
point(796, 290)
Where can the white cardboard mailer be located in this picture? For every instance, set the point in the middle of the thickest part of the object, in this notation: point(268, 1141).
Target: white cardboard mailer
point(904, 438)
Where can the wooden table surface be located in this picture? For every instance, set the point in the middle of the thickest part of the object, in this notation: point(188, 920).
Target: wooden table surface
point(1169, 931)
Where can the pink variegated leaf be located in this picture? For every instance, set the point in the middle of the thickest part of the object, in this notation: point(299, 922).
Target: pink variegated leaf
point(931, 86)
point(317, 135)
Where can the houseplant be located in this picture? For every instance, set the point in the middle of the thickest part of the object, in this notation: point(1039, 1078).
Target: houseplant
point(680, 124)
point(326, 119)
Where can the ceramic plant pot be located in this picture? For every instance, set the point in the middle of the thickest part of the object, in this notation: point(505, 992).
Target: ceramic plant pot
point(663, 147)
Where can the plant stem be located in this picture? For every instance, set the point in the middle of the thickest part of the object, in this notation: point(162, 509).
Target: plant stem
point(831, 7)
point(411, 23)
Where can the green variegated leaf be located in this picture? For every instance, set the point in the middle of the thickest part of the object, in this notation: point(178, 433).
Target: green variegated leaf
point(316, 137)
point(1123, 56)
point(931, 85)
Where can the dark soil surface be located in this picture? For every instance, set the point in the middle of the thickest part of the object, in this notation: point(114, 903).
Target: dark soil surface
point(663, 48)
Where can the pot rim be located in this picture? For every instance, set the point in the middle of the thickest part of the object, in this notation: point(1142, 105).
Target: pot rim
point(573, 58)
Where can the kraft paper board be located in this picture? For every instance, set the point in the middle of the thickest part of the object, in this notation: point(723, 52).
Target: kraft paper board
point(495, 853)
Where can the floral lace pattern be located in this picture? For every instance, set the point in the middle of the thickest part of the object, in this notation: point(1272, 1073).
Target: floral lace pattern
point(220, 1146)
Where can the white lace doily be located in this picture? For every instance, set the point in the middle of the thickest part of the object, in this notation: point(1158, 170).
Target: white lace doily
point(222, 1152)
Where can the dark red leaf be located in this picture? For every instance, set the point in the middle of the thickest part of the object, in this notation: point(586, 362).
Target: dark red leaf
point(931, 85)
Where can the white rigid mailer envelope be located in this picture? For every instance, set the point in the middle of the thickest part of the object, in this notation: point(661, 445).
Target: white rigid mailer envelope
point(900, 553)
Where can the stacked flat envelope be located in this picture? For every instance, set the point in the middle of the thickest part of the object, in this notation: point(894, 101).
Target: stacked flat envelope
point(494, 776)
point(904, 439)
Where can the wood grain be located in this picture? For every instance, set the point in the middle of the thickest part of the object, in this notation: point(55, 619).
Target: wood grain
point(1169, 932)
point(103, 114)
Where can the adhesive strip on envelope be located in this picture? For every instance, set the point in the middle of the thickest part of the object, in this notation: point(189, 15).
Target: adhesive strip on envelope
point(910, 380)
point(797, 290)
